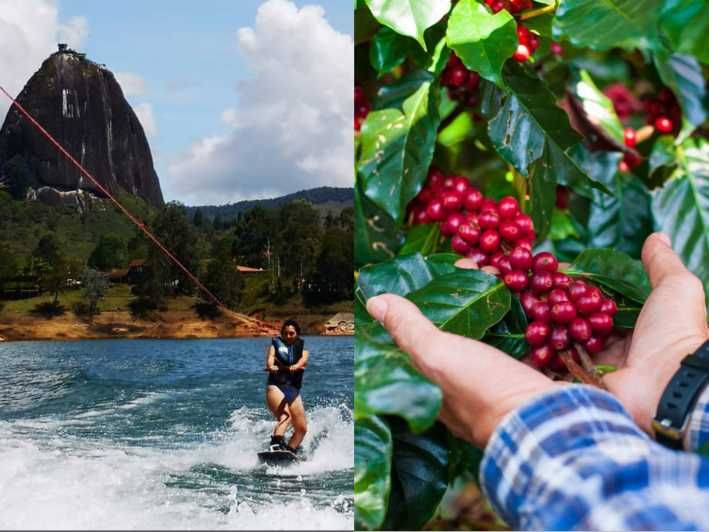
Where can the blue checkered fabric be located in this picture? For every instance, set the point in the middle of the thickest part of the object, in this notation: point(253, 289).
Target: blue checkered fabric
point(574, 459)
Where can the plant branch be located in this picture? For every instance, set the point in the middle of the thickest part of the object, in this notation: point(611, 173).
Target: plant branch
point(539, 11)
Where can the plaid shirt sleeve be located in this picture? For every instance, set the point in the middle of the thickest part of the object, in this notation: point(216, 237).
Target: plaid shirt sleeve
point(697, 436)
point(574, 459)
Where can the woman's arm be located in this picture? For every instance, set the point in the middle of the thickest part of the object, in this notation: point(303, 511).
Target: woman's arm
point(271, 359)
point(302, 363)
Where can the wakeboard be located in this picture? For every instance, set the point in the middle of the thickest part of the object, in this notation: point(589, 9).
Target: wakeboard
point(278, 457)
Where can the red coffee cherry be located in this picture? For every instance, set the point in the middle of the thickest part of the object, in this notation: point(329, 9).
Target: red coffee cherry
point(558, 295)
point(629, 137)
point(516, 280)
point(545, 262)
point(563, 312)
point(459, 245)
point(451, 201)
point(451, 224)
point(541, 311)
point(602, 324)
point(488, 219)
point(580, 329)
point(489, 241)
point(591, 302)
point(577, 290)
point(469, 233)
point(508, 207)
point(460, 186)
point(421, 217)
point(541, 356)
point(521, 53)
point(435, 179)
point(595, 345)
point(561, 280)
point(458, 76)
point(559, 338)
point(500, 261)
point(664, 124)
point(524, 223)
point(480, 258)
point(528, 301)
point(435, 211)
point(608, 307)
point(537, 333)
point(556, 48)
point(509, 231)
point(521, 258)
point(473, 199)
point(541, 282)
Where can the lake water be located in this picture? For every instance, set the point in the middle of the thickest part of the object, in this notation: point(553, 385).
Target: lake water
point(164, 434)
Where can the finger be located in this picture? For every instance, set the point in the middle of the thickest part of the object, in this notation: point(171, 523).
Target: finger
point(659, 259)
point(466, 264)
point(410, 330)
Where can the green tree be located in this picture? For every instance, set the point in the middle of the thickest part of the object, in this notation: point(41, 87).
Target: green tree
point(94, 285)
point(223, 279)
point(162, 277)
point(110, 252)
point(18, 175)
point(198, 218)
point(331, 280)
point(300, 234)
point(53, 267)
point(255, 237)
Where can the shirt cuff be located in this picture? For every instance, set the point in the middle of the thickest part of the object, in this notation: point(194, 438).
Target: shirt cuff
point(696, 438)
point(531, 452)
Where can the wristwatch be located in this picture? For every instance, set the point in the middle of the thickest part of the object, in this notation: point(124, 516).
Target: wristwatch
point(679, 397)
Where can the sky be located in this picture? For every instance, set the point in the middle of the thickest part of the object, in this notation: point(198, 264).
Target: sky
point(240, 99)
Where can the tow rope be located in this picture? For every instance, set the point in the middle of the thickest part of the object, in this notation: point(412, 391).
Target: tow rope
point(118, 204)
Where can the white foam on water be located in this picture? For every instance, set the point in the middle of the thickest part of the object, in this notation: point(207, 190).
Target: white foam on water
point(63, 482)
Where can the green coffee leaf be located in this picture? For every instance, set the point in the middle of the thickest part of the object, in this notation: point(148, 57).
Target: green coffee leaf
point(681, 208)
point(397, 149)
point(598, 107)
point(685, 23)
point(465, 302)
point(482, 40)
point(606, 24)
point(613, 269)
point(421, 238)
point(409, 17)
point(372, 484)
point(388, 50)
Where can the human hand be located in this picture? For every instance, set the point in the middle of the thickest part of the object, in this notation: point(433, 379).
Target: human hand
point(671, 325)
point(272, 368)
point(480, 384)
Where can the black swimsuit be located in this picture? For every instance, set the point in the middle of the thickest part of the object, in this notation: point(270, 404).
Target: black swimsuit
point(286, 355)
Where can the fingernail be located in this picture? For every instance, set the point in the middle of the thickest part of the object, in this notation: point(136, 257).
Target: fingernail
point(665, 238)
point(377, 308)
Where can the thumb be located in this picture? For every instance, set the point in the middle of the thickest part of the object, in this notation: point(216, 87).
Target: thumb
point(408, 327)
point(660, 260)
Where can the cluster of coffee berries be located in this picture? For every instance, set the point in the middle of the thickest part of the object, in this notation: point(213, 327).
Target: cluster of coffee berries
point(479, 228)
point(527, 43)
point(361, 107)
point(462, 83)
point(564, 313)
point(513, 6)
point(630, 160)
point(662, 111)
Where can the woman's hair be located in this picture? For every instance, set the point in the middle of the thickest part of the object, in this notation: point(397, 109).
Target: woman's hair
point(290, 323)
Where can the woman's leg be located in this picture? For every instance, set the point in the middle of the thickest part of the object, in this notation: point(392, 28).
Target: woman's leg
point(278, 406)
point(300, 423)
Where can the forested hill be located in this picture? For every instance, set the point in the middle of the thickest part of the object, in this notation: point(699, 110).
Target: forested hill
point(322, 198)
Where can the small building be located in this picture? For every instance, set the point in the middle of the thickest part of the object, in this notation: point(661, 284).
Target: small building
point(246, 270)
point(130, 275)
point(63, 47)
point(341, 323)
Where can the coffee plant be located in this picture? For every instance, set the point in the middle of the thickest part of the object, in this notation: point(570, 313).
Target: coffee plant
point(542, 140)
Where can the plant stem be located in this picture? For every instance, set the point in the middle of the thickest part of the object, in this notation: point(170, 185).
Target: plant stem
point(539, 11)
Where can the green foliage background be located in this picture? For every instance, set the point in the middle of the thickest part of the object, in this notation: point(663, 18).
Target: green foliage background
point(518, 141)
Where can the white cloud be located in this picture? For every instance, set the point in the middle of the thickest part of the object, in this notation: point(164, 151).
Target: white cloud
point(132, 84)
point(29, 32)
point(292, 128)
point(144, 111)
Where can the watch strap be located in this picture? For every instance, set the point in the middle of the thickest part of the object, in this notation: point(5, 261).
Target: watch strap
point(679, 397)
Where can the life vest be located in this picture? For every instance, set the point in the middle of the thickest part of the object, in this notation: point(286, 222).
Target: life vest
point(288, 354)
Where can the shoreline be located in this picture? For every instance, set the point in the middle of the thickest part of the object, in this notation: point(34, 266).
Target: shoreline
point(115, 325)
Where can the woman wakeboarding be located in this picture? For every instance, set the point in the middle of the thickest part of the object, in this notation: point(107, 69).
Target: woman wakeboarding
point(285, 362)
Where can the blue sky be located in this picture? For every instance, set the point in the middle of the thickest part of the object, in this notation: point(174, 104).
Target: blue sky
point(242, 114)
